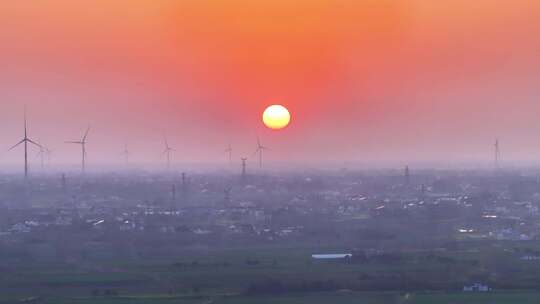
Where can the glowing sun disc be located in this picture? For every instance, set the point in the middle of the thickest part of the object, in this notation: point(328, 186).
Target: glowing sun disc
point(276, 117)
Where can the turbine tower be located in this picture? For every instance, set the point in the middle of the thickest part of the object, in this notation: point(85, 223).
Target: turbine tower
point(82, 142)
point(25, 141)
point(168, 150)
point(229, 152)
point(260, 149)
point(48, 152)
point(126, 154)
point(497, 154)
point(41, 154)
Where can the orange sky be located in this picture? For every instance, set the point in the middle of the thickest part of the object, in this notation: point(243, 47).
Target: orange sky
point(365, 80)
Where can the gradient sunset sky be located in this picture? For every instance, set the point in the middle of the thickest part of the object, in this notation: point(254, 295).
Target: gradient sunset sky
point(373, 80)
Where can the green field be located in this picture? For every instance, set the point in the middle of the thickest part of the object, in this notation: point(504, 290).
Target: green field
point(249, 275)
point(318, 298)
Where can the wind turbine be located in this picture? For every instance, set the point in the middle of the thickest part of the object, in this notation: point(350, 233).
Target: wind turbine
point(126, 154)
point(260, 149)
point(48, 152)
point(168, 151)
point(497, 153)
point(25, 141)
point(41, 154)
point(229, 151)
point(82, 142)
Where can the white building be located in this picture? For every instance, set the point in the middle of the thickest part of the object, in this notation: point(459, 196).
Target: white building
point(476, 287)
point(332, 256)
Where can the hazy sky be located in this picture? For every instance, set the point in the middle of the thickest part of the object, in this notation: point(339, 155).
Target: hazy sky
point(365, 80)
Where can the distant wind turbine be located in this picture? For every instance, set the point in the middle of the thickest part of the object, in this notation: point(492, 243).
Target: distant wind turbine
point(260, 149)
point(48, 152)
point(243, 159)
point(82, 142)
point(497, 153)
point(229, 152)
point(25, 141)
point(168, 150)
point(126, 154)
point(43, 152)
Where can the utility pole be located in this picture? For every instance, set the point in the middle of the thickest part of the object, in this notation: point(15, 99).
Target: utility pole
point(184, 186)
point(173, 194)
point(227, 192)
point(64, 183)
point(407, 175)
point(243, 167)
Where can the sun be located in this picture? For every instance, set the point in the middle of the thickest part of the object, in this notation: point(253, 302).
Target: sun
point(276, 117)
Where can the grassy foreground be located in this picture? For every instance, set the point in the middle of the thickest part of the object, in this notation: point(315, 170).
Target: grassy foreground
point(312, 298)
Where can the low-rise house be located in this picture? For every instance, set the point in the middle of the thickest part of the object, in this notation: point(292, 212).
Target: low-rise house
point(530, 258)
point(476, 287)
point(20, 228)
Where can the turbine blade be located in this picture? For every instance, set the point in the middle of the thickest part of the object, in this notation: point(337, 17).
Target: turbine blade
point(25, 123)
point(35, 143)
point(166, 142)
point(16, 145)
point(86, 134)
point(73, 142)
